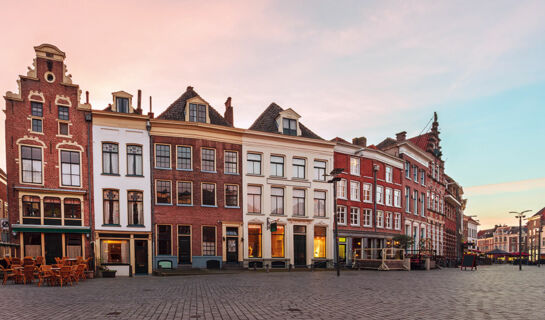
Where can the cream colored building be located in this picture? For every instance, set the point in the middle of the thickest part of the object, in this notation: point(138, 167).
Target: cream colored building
point(284, 184)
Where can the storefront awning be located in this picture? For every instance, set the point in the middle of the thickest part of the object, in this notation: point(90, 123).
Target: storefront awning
point(49, 229)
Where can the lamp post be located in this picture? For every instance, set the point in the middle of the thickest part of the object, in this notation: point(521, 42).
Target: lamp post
point(334, 178)
point(539, 243)
point(520, 216)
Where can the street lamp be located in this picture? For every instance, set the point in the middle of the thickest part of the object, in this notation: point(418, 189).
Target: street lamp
point(334, 178)
point(520, 216)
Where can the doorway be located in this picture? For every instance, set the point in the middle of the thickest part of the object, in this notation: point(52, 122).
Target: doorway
point(184, 244)
point(342, 251)
point(299, 246)
point(141, 256)
point(53, 247)
point(232, 244)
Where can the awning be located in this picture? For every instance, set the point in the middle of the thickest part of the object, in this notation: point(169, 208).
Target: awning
point(49, 228)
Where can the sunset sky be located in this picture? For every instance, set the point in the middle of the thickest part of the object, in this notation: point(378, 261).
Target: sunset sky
point(350, 68)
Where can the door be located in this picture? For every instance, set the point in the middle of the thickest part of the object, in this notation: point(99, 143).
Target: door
point(232, 249)
point(53, 247)
point(300, 249)
point(141, 256)
point(184, 249)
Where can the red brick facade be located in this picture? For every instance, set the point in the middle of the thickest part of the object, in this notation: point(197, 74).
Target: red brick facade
point(56, 107)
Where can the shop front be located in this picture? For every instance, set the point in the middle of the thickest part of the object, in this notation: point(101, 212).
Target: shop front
point(361, 245)
point(128, 253)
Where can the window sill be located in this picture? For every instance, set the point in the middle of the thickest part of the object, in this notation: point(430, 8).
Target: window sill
point(320, 217)
point(324, 181)
point(358, 200)
point(299, 179)
point(163, 204)
point(184, 205)
point(354, 225)
point(278, 215)
point(303, 217)
point(111, 174)
point(233, 173)
point(208, 206)
point(134, 175)
point(232, 207)
point(255, 214)
point(65, 186)
point(277, 177)
point(206, 171)
point(184, 169)
point(111, 225)
point(254, 175)
point(36, 132)
point(136, 226)
point(162, 168)
point(63, 136)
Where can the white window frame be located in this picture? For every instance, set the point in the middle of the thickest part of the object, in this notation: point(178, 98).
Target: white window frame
point(397, 221)
point(341, 215)
point(341, 189)
point(388, 174)
point(388, 196)
point(367, 217)
point(397, 198)
point(355, 166)
point(380, 194)
point(355, 190)
point(354, 216)
point(367, 193)
point(380, 219)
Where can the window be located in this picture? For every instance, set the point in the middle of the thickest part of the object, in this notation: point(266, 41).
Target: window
point(32, 164)
point(289, 126)
point(63, 128)
point(110, 157)
point(298, 202)
point(423, 177)
point(208, 160)
point(341, 215)
point(354, 190)
point(319, 170)
point(231, 162)
point(277, 242)
point(380, 220)
point(388, 197)
point(380, 194)
point(231, 195)
point(422, 197)
point(355, 166)
point(277, 166)
point(415, 174)
point(319, 203)
point(367, 218)
point(183, 160)
point(73, 245)
point(367, 192)
point(197, 113)
point(341, 189)
point(31, 206)
point(389, 175)
point(407, 169)
point(432, 170)
point(254, 199)
point(70, 168)
point(162, 192)
point(52, 209)
point(134, 160)
point(354, 216)
point(162, 156)
point(63, 113)
point(72, 209)
point(185, 193)
point(388, 220)
point(277, 201)
point(299, 168)
point(397, 198)
point(111, 206)
point(136, 207)
point(254, 241)
point(164, 240)
point(122, 104)
point(254, 163)
point(319, 242)
point(429, 199)
point(114, 251)
point(407, 199)
point(208, 241)
point(37, 111)
point(433, 201)
point(208, 194)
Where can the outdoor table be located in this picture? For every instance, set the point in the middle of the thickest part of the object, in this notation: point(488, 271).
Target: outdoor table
point(71, 261)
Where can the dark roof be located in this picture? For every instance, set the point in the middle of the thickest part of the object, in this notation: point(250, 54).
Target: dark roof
point(337, 139)
point(540, 212)
point(386, 143)
point(176, 111)
point(421, 141)
point(266, 122)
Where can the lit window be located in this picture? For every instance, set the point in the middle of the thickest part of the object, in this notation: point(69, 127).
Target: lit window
point(277, 242)
point(319, 242)
point(114, 251)
point(254, 241)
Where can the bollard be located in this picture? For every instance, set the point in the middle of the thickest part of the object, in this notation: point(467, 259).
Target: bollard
point(428, 264)
point(267, 267)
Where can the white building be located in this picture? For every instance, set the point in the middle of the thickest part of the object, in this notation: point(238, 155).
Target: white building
point(284, 165)
point(121, 187)
point(472, 229)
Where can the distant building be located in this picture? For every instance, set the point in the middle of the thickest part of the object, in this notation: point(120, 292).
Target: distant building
point(470, 230)
point(536, 236)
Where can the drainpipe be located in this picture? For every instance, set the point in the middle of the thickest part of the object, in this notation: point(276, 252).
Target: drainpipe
point(375, 169)
point(152, 190)
point(89, 119)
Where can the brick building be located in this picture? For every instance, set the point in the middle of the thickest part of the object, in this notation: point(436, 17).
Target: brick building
point(485, 240)
point(6, 247)
point(369, 205)
point(47, 147)
point(536, 236)
point(196, 181)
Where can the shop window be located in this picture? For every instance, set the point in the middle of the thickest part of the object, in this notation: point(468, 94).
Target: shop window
point(136, 207)
point(114, 251)
point(111, 207)
point(320, 242)
point(208, 241)
point(164, 240)
point(32, 164)
point(73, 245)
point(277, 242)
point(52, 211)
point(254, 241)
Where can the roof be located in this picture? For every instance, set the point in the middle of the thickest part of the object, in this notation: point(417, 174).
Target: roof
point(486, 233)
point(337, 139)
point(386, 143)
point(540, 212)
point(266, 122)
point(176, 111)
point(421, 141)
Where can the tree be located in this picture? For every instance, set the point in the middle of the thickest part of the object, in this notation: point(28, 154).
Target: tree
point(403, 241)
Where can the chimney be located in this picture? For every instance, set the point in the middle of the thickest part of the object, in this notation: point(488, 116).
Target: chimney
point(139, 103)
point(150, 113)
point(360, 141)
point(401, 136)
point(228, 112)
point(189, 88)
point(86, 97)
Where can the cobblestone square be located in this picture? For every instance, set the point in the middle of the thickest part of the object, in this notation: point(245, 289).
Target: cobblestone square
point(492, 292)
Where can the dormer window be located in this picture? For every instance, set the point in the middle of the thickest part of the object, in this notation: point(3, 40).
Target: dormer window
point(122, 104)
point(197, 113)
point(289, 127)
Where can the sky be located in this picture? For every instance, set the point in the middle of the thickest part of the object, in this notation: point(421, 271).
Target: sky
point(349, 68)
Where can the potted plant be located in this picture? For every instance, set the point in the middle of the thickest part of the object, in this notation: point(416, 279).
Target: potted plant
point(106, 272)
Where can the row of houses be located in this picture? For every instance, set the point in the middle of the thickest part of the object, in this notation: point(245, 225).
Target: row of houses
point(137, 191)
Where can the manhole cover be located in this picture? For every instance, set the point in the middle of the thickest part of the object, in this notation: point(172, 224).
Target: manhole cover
point(294, 310)
point(115, 313)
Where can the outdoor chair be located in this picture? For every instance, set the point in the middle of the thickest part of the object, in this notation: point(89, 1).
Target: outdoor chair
point(39, 261)
point(46, 274)
point(81, 272)
point(18, 275)
point(58, 260)
point(79, 260)
point(16, 261)
point(7, 274)
point(74, 274)
point(64, 276)
point(28, 274)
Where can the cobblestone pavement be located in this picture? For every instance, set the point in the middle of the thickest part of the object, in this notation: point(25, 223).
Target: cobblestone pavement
point(492, 292)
